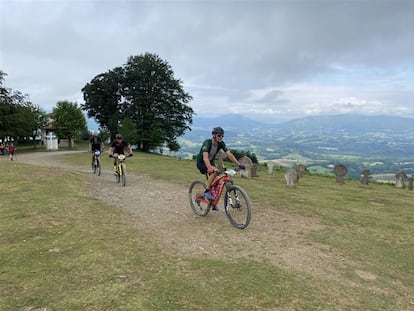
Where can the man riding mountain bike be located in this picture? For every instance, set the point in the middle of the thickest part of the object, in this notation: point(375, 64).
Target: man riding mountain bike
point(118, 147)
point(205, 159)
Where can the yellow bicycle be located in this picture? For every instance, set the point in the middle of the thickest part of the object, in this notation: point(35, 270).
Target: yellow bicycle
point(120, 172)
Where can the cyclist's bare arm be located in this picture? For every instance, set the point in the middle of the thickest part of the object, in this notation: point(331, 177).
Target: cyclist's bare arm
point(232, 158)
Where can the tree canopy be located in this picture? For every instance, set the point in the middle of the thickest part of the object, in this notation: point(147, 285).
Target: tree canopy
point(145, 91)
point(19, 118)
point(68, 120)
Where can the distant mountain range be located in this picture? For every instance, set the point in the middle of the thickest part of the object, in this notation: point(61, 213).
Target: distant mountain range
point(384, 144)
point(351, 123)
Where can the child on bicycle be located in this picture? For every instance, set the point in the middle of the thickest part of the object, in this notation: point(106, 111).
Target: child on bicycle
point(118, 147)
point(205, 159)
point(95, 145)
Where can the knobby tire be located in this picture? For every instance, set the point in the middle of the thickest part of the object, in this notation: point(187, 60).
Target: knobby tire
point(195, 194)
point(238, 206)
point(98, 167)
point(118, 174)
point(123, 174)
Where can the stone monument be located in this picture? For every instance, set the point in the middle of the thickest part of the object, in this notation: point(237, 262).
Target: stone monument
point(410, 183)
point(248, 163)
point(270, 167)
point(340, 172)
point(300, 169)
point(291, 177)
point(365, 177)
point(400, 179)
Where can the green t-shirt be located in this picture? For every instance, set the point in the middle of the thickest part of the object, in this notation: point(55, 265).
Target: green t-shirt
point(207, 147)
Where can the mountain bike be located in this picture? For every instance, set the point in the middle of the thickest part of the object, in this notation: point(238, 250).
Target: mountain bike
point(120, 173)
point(237, 204)
point(96, 163)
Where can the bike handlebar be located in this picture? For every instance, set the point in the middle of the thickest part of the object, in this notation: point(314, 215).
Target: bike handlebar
point(129, 155)
point(228, 171)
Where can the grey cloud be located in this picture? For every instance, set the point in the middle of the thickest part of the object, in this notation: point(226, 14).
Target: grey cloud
point(228, 48)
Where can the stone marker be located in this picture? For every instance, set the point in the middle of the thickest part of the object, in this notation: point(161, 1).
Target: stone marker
point(270, 167)
point(291, 176)
point(254, 169)
point(248, 163)
point(340, 172)
point(400, 178)
point(410, 183)
point(300, 169)
point(365, 177)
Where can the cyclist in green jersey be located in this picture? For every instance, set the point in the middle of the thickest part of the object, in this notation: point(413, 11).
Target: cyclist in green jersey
point(205, 158)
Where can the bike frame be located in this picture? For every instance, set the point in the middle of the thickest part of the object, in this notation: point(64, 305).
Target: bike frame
point(218, 185)
point(237, 204)
point(119, 160)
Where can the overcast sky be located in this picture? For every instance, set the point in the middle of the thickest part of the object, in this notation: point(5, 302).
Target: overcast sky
point(270, 59)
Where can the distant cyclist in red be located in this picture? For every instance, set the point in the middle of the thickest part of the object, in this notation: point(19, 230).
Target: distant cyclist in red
point(118, 147)
point(12, 149)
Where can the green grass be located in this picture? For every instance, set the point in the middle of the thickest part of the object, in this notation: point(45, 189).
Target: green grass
point(62, 250)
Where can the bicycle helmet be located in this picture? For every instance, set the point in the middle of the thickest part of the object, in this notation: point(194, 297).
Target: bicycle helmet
point(217, 130)
point(118, 136)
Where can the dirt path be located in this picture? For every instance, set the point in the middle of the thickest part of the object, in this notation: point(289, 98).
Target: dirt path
point(163, 209)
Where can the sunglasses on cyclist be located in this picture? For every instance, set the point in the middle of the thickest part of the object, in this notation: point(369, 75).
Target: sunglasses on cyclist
point(218, 135)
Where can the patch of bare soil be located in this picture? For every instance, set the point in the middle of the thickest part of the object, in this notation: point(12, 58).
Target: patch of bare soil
point(164, 210)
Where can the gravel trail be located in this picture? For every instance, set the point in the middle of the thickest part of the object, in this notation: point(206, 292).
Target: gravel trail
point(163, 209)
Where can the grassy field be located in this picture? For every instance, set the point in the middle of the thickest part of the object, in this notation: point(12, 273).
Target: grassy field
point(62, 250)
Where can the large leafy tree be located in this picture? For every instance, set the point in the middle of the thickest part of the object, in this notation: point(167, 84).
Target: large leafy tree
point(128, 131)
point(145, 91)
point(104, 101)
point(34, 119)
point(19, 118)
point(68, 120)
point(9, 110)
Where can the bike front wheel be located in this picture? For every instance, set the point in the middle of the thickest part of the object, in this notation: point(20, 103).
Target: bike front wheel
point(123, 174)
point(238, 206)
point(199, 204)
point(118, 174)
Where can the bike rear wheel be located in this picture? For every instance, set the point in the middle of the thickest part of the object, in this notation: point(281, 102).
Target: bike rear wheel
point(238, 206)
point(123, 174)
point(98, 167)
point(199, 204)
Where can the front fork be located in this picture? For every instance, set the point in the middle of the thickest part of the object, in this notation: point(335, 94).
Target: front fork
point(229, 200)
point(120, 170)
